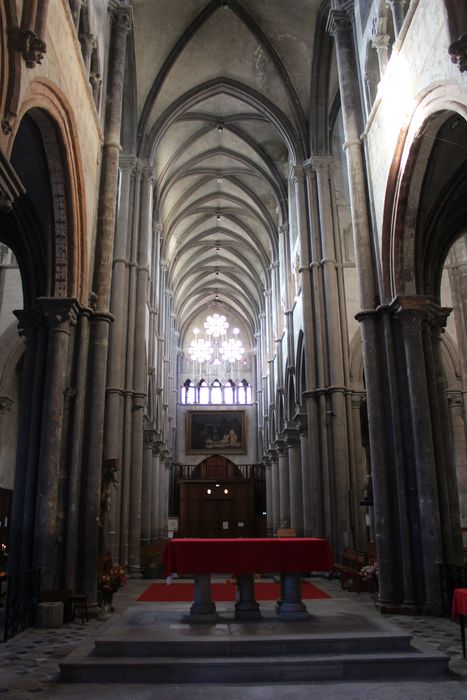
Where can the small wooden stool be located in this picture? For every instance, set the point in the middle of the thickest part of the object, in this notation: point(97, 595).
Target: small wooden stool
point(80, 608)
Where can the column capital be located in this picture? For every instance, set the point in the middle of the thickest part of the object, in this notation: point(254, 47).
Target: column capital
point(284, 229)
point(158, 228)
point(121, 15)
point(297, 174)
point(380, 41)
point(291, 436)
point(88, 40)
point(148, 173)
point(127, 162)
point(301, 421)
point(322, 164)
point(421, 306)
point(338, 20)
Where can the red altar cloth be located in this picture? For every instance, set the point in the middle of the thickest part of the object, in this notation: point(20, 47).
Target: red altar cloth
point(245, 556)
point(459, 602)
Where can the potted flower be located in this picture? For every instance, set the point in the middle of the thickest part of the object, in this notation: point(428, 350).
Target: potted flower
point(108, 583)
point(369, 574)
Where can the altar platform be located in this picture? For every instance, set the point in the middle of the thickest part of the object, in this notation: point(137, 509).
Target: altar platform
point(160, 643)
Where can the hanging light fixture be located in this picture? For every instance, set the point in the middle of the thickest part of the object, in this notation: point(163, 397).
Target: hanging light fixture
point(232, 350)
point(216, 325)
point(200, 350)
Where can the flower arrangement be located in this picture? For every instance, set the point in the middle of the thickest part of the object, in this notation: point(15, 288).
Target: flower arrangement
point(109, 582)
point(369, 572)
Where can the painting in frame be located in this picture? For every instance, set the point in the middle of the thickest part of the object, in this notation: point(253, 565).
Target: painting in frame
point(216, 432)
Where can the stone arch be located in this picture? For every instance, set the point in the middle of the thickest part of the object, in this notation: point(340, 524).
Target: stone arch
point(53, 117)
point(291, 397)
point(408, 254)
point(300, 364)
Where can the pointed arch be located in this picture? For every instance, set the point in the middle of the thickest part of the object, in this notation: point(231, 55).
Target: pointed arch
point(404, 267)
point(233, 88)
point(53, 116)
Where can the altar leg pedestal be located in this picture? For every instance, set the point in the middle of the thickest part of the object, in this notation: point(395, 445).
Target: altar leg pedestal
point(291, 606)
point(246, 607)
point(203, 606)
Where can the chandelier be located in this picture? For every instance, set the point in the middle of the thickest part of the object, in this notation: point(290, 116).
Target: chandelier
point(231, 350)
point(210, 348)
point(200, 349)
point(216, 325)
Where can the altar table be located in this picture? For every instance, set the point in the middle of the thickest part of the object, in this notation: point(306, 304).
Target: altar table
point(459, 609)
point(244, 558)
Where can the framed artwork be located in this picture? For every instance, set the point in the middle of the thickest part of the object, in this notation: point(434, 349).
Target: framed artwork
point(216, 432)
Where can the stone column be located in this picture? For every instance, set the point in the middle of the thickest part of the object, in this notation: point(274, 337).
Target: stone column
point(140, 371)
point(302, 426)
point(269, 498)
point(147, 487)
point(114, 429)
point(295, 481)
point(76, 452)
point(30, 408)
point(334, 408)
point(75, 7)
point(155, 489)
point(340, 27)
point(274, 457)
point(129, 437)
point(99, 337)
point(397, 11)
point(411, 318)
point(448, 493)
point(88, 44)
point(58, 314)
point(312, 346)
point(457, 419)
point(381, 44)
point(162, 498)
point(284, 484)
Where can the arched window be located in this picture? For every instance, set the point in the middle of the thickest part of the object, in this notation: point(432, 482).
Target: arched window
point(188, 392)
point(216, 392)
point(244, 392)
point(203, 392)
point(229, 392)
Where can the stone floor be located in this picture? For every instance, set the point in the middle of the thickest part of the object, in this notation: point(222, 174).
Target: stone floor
point(29, 663)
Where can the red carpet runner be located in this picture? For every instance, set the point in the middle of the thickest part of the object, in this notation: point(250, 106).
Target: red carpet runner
point(221, 592)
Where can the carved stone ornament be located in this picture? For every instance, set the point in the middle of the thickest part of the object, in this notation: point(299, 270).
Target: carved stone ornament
point(5, 404)
point(458, 52)
point(32, 48)
point(8, 122)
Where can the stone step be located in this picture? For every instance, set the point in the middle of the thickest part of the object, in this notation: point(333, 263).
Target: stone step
point(256, 646)
point(284, 668)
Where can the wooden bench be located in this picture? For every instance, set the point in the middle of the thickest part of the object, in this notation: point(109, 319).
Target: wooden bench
point(349, 570)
